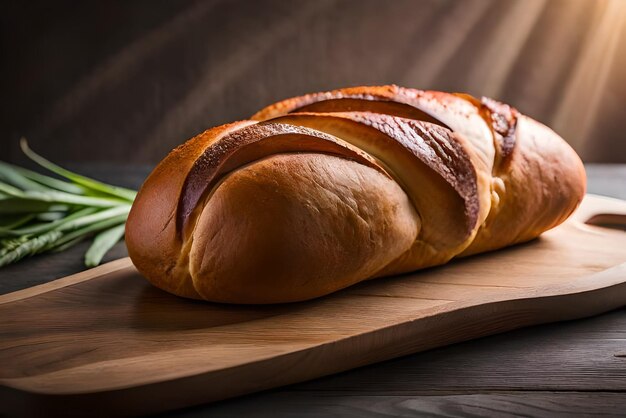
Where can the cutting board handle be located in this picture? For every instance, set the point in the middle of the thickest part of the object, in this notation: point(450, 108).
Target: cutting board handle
point(608, 220)
point(601, 211)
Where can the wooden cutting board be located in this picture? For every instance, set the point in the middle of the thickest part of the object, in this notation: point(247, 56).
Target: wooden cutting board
point(105, 341)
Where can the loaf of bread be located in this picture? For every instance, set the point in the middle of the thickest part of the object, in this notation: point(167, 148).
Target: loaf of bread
point(322, 191)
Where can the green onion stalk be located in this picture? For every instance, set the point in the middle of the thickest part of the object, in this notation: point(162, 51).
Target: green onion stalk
point(40, 213)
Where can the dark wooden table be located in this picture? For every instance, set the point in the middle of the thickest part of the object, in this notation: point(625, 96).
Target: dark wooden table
point(572, 368)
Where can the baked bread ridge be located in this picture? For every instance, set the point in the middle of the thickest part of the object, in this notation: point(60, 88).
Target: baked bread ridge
point(287, 224)
point(432, 166)
point(325, 190)
point(370, 223)
point(529, 178)
point(151, 234)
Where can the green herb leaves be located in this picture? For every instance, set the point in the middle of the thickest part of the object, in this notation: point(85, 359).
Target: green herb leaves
point(39, 213)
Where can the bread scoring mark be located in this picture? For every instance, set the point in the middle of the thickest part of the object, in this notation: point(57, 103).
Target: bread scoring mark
point(368, 103)
point(438, 149)
point(503, 120)
point(390, 100)
point(453, 162)
point(457, 112)
point(252, 143)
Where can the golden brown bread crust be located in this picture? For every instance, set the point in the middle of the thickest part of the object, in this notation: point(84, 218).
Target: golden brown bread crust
point(252, 143)
point(430, 164)
point(151, 235)
point(277, 229)
point(333, 188)
point(539, 187)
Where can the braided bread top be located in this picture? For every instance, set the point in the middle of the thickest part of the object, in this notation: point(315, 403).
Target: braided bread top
point(321, 191)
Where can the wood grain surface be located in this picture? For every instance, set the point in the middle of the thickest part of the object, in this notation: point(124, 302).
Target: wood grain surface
point(128, 81)
point(107, 338)
point(581, 359)
point(316, 404)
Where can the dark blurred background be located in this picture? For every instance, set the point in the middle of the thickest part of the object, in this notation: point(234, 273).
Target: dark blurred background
point(126, 81)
